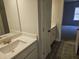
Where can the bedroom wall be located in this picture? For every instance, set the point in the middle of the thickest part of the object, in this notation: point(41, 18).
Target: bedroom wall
point(69, 9)
point(69, 26)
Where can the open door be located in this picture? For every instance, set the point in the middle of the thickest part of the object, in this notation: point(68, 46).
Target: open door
point(44, 27)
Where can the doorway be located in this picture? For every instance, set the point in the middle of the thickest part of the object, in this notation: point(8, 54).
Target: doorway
point(69, 24)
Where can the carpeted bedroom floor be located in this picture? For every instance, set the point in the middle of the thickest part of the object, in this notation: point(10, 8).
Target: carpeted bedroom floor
point(63, 50)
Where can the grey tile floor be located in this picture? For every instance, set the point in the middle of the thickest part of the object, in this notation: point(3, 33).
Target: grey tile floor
point(63, 50)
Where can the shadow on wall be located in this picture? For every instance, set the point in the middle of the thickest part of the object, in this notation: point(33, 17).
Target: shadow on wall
point(4, 28)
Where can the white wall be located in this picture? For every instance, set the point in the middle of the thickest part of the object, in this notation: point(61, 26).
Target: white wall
point(12, 15)
point(53, 17)
point(57, 13)
point(60, 16)
point(28, 10)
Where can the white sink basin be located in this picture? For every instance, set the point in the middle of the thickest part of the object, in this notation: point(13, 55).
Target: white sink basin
point(12, 47)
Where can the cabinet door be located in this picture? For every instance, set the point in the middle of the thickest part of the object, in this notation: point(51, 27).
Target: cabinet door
point(26, 52)
point(32, 55)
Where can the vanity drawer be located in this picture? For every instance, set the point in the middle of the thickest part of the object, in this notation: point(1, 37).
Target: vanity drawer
point(26, 51)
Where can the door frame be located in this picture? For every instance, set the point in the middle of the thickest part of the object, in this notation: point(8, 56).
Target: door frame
point(41, 21)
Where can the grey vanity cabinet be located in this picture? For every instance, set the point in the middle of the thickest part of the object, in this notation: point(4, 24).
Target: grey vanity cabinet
point(32, 55)
point(28, 53)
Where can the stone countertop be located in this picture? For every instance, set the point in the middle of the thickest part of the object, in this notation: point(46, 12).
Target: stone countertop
point(24, 37)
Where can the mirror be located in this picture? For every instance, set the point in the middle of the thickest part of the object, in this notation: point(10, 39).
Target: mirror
point(4, 28)
point(17, 17)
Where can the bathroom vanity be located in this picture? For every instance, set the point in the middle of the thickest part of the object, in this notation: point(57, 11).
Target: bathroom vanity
point(21, 46)
point(23, 16)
